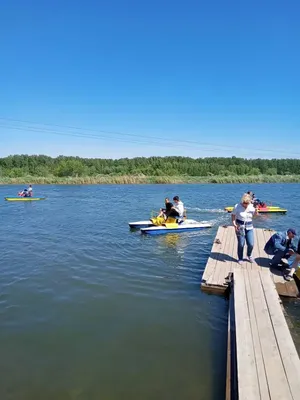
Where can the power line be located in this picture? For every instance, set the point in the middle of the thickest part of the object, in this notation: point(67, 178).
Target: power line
point(127, 134)
point(139, 139)
point(97, 137)
point(89, 136)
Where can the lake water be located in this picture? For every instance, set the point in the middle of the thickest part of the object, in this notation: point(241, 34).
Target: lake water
point(90, 310)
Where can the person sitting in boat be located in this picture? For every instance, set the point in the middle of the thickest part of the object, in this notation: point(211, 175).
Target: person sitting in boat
point(168, 212)
point(262, 204)
point(281, 245)
point(29, 191)
point(168, 206)
point(177, 211)
point(259, 204)
point(251, 194)
point(172, 212)
point(256, 202)
point(24, 193)
point(179, 207)
point(163, 213)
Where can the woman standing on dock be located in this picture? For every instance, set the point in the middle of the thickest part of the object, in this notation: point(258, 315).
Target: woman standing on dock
point(242, 216)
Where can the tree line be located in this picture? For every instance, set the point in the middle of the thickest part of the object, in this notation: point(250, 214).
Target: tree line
point(15, 166)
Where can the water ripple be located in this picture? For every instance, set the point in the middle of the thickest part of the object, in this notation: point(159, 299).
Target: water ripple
point(84, 299)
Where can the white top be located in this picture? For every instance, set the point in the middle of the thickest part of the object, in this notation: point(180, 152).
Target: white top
point(242, 213)
point(29, 189)
point(179, 208)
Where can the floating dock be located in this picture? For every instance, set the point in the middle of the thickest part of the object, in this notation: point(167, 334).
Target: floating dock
point(223, 261)
point(262, 360)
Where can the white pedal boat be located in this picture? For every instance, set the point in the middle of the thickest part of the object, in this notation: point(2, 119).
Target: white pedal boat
point(148, 223)
point(140, 224)
point(186, 226)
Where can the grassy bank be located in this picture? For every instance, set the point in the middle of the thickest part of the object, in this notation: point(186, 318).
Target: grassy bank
point(142, 179)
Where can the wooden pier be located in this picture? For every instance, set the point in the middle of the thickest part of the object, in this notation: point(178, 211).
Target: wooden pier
point(262, 360)
point(223, 260)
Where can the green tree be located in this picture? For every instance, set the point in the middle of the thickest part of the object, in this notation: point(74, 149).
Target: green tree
point(41, 165)
point(271, 171)
point(70, 168)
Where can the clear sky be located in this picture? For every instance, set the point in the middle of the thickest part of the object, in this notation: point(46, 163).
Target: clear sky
point(192, 78)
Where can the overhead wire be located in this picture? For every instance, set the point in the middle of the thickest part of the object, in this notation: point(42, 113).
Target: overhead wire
point(131, 138)
point(111, 132)
point(90, 136)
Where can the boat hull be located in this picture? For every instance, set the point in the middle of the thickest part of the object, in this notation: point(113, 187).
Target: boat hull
point(24, 198)
point(148, 223)
point(161, 230)
point(264, 210)
point(140, 224)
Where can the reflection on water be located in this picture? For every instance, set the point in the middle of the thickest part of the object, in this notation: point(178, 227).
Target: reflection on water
point(93, 310)
point(172, 240)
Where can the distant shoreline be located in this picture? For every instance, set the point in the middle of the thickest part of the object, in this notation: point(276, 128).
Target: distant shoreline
point(142, 179)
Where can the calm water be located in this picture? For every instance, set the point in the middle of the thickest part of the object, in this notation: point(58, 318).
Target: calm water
point(90, 310)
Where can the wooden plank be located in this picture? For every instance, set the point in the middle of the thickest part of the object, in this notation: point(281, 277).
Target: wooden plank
point(248, 384)
point(277, 275)
point(233, 352)
point(256, 253)
point(216, 248)
point(213, 279)
point(281, 288)
point(284, 339)
point(265, 235)
point(291, 289)
point(263, 257)
point(261, 373)
point(276, 378)
point(253, 265)
point(220, 261)
point(228, 363)
point(233, 251)
point(214, 289)
point(223, 266)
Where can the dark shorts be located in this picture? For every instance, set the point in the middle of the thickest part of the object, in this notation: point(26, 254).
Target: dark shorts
point(173, 214)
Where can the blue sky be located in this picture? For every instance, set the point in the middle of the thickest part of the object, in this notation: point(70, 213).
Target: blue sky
point(191, 78)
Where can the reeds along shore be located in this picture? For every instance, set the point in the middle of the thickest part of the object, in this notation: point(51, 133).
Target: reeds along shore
point(141, 179)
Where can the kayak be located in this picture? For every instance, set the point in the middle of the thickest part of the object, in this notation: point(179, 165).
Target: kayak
point(148, 223)
point(24, 198)
point(264, 210)
point(186, 226)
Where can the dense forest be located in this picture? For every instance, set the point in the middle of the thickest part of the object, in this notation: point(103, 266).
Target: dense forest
point(16, 166)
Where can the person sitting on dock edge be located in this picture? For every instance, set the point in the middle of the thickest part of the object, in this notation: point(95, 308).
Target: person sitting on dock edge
point(241, 216)
point(281, 245)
